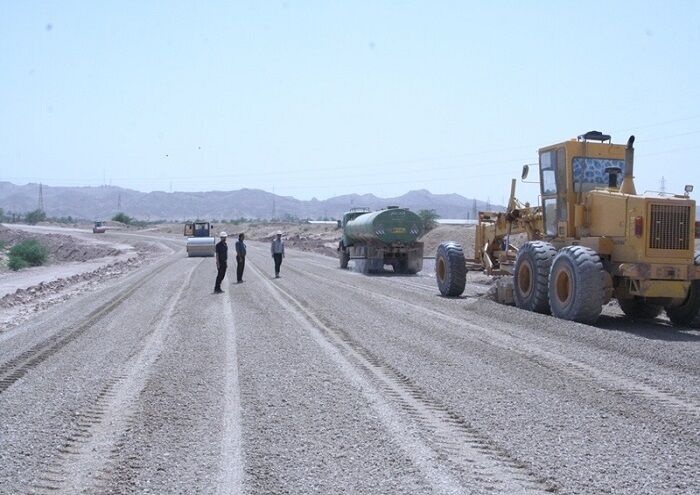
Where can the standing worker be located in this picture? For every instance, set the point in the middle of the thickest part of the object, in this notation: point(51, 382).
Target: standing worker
point(221, 259)
point(277, 250)
point(240, 257)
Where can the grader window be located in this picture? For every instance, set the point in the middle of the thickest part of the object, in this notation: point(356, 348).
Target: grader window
point(550, 216)
point(547, 167)
point(589, 173)
point(553, 180)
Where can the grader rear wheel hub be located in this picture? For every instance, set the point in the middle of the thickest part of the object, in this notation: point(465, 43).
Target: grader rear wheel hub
point(563, 286)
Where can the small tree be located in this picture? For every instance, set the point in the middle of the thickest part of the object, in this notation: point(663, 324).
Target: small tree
point(428, 217)
point(34, 217)
point(27, 253)
point(123, 218)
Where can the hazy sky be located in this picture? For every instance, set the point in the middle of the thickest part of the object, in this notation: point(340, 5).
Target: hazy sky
point(325, 98)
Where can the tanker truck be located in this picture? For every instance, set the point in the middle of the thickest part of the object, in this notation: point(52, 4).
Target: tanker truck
point(383, 237)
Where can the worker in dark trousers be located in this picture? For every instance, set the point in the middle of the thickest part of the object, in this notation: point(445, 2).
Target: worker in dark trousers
point(221, 262)
point(277, 250)
point(240, 257)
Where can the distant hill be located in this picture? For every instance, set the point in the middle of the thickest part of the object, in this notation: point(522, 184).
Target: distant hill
point(104, 201)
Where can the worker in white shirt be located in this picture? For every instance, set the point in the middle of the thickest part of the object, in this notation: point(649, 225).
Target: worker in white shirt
point(277, 250)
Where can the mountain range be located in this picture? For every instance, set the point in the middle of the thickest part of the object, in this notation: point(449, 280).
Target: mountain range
point(102, 202)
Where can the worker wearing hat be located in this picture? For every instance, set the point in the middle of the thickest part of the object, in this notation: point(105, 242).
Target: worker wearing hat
point(221, 260)
point(277, 250)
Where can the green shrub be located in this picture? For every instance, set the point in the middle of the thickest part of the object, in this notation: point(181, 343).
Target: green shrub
point(123, 218)
point(16, 263)
point(34, 217)
point(27, 253)
point(429, 218)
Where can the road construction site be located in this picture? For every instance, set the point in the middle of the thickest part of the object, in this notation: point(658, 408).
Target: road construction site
point(330, 381)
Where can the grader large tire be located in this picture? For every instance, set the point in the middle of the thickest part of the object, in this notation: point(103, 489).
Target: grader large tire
point(531, 276)
point(577, 285)
point(688, 313)
point(637, 308)
point(450, 269)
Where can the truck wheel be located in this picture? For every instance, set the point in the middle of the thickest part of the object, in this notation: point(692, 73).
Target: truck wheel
point(576, 285)
point(450, 269)
point(688, 313)
point(402, 265)
point(637, 308)
point(344, 258)
point(531, 276)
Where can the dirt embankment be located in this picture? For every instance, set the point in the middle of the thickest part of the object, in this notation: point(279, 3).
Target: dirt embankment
point(305, 237)
point(75, 265)
point(62, 248)
point(323, 238)
point(462, 234)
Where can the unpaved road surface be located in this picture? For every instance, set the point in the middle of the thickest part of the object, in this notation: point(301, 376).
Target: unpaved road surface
point(326, 381)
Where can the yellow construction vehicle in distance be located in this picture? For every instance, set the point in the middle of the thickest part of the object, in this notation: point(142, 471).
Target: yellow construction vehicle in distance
point(592, 239)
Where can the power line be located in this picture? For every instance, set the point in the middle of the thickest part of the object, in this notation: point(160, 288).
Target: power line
point(438, 158)
point(657, 124)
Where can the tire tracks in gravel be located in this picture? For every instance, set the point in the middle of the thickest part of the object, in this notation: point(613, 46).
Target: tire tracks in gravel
point(451, 454)
point(231, 466)
point(577, 369)
point(86, 456)
point(16, 368)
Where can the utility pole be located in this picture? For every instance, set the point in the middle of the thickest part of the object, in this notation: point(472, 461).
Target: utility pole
point(662, 185)
point(273, 202)
point(119, 202)
point(41, 197)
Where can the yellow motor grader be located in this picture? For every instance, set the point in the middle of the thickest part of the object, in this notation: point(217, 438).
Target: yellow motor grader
point(592, 238)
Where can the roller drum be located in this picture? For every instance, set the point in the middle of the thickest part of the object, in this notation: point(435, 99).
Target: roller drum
point(201, 246)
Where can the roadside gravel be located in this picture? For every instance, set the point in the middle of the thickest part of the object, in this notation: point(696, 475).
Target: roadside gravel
point(328, 381)
point(617, 413)
point(309, 428)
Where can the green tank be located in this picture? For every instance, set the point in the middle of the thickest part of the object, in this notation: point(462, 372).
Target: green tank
point(391, 226)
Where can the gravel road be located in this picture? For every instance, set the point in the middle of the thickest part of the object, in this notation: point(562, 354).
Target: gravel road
point(327, 381)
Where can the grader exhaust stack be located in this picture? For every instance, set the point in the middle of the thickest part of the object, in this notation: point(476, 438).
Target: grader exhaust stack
point(627, 186)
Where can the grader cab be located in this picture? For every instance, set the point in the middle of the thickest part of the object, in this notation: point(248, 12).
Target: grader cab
point(592, 239)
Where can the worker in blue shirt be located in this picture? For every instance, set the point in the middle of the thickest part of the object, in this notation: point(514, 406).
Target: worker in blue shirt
point(240, 257)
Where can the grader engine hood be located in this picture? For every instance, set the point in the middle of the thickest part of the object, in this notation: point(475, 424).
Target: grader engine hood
point(643, 228)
